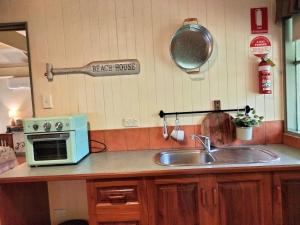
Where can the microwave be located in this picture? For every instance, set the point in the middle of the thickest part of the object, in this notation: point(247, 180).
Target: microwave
point(56, 140)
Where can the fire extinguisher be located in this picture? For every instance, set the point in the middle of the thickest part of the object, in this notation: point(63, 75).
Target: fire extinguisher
point(264, 73)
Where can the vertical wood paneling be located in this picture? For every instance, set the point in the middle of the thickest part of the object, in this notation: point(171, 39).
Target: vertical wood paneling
point(161, 36)
point(231, 46)
point(5, 14)
point(186, 81)
point(57, 55)
point(212, 24)
point(19, 10)
point(38, 52)
point(241, 56)
point(177, 84)
point(71, 33)
point(92, 52)
point(194, 6)
point(144, 51)
point(74, 54)
point(205, 83)
point(127, 49)
point(109, 50)
point(277, 106)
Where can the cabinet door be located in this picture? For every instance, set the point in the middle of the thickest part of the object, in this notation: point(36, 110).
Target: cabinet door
point(173, 201)
point(243, 199)
point(24, 204)
point(287, 198)
point(119, 202)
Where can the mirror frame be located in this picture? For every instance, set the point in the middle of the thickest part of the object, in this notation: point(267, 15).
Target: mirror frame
point(22, 26)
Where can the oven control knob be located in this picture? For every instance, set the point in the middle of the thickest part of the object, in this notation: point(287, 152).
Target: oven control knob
point(47, 126)
point(59, 126)
point(35, 126)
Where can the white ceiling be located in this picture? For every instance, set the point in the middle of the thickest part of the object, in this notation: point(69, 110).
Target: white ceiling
point(10, 55)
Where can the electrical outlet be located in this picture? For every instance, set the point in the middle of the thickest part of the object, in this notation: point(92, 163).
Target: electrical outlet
point(130, 122)
point(47, 101)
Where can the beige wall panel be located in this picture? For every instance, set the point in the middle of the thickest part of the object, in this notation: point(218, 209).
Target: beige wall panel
point(204, 83)
point(184, 12)
point(91, 52)
point(57, 55)
point(278, 70)
point(38, 52)
point(74, 55)
point(67, 200)
point(112, 85)
point(231, 46)
point(129, 92)
point(5, 13)
point(241, 56)
point(71, 33)
point(177, 84)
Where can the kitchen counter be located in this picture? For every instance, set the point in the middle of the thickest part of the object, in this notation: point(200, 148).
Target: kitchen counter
point(141, 163)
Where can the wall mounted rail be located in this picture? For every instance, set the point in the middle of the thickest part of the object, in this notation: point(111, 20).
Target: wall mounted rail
point(163, 114)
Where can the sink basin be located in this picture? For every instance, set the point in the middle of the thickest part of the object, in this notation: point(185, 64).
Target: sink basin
point(183, 158)
point(228, 155)
point(243, 154)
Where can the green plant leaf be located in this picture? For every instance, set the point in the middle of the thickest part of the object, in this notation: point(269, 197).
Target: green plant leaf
point(246, 120)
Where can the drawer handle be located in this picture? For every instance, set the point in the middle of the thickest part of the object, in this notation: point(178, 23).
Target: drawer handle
point(278, 194)
point(117, 197)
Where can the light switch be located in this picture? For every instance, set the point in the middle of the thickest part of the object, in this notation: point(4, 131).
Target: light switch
point(47, 101)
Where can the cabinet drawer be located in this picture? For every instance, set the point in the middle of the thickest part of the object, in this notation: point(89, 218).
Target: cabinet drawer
point(120, 200)
point(117, 195)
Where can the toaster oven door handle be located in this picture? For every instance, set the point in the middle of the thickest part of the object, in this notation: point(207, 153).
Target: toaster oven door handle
point(48, 137)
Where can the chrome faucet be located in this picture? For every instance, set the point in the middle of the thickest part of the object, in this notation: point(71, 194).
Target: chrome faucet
point(204, 140)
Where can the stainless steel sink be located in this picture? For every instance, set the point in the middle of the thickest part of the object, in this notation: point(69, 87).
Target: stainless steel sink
point(243, 154)
point(228, 155)
point(183, 158)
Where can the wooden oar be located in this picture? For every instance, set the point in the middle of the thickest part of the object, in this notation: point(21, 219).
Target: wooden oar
point(98, 68)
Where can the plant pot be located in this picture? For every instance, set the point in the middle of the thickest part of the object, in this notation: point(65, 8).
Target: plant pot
point(244, 133)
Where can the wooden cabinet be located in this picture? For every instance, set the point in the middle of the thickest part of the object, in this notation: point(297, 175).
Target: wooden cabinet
point(24, 204)
point(240, 199)
point(221, 199)
point(120, 223)
point(286, 198)
point(243, 199)
point(174, 201)
point(117, 202)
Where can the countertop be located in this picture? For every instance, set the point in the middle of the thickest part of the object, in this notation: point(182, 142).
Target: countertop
point(141, 164)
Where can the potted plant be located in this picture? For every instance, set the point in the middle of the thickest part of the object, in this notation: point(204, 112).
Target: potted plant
point(245, 122)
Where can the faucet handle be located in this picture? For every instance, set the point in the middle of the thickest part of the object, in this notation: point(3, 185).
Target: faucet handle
point(204, 137)
point(204, 140)
point(193, 136)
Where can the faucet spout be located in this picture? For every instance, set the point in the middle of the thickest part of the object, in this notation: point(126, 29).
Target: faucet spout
point(204, 140)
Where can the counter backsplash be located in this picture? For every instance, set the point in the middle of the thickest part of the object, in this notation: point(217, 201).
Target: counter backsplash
point(270, 132)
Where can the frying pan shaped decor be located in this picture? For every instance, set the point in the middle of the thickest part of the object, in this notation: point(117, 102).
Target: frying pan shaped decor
point(191, 46)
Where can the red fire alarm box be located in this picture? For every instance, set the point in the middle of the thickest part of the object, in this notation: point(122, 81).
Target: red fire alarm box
point(259, 20)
